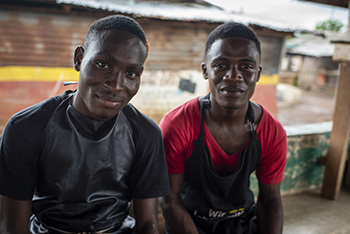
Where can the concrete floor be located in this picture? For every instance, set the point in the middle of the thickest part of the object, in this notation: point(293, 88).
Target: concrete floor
point(310, 213)
point(315, 107)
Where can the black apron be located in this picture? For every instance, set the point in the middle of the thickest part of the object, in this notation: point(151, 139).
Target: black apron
point(81, 184)
point(221, 204)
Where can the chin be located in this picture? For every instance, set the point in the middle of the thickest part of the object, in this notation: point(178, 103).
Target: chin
point(231, 105)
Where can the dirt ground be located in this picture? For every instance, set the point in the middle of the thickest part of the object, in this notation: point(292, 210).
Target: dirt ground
point(315, 107)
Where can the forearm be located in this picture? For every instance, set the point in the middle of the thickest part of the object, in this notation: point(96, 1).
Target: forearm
point(145, 211)
point(177, 216)
point(147, 228)
point(14, 216)
point(14, 230)
point(270, 217)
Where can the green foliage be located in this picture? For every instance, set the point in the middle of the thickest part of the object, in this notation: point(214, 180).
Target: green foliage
point(330, 25)
point(295, 81)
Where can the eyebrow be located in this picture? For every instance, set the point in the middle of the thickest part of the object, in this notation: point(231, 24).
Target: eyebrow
point(252, 60)
point(136, 66)
point(107, 56)
point(249, 59)
point(219, 59)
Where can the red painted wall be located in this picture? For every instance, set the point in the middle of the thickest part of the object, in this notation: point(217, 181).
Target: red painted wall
point(17, 95)
point(266, 96)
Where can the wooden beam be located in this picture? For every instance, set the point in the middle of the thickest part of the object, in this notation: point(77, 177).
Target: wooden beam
point(338, 145)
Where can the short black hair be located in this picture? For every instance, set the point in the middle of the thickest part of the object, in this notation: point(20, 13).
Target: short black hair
point(232, 29)
point(116, 22)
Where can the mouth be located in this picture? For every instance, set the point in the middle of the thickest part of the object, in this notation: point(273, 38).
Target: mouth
point(231, 91)
point(109, 102)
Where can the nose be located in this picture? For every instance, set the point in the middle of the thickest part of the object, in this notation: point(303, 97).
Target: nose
point(233, 75)
point(115, 83)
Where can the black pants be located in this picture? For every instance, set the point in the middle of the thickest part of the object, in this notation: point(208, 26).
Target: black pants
point(225, 227)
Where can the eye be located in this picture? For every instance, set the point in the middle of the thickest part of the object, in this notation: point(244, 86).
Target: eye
point(132, 74)
point(102, 65)
point(247, 66)
point(219, 66)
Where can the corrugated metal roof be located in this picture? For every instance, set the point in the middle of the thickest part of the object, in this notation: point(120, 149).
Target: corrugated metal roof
point(313, 45)
point(314, 50)
point(181, 12)
point(338, 3)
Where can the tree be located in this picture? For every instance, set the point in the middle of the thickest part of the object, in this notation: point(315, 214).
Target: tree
point(330, 25)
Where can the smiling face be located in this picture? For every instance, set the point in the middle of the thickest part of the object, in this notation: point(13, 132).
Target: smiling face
point(232, 66)
point(110, 70)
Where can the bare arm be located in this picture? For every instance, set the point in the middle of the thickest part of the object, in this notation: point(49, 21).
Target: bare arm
point(14, 216)
point(269, 209)
point(145, 211)
point(175, 213)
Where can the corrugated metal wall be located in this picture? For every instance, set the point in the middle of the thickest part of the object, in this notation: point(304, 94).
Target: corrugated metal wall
point(30, 39)
point(38, 39)
point(271, 48)
point(176, 45)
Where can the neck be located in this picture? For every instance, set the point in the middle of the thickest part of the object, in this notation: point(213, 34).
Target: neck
point(224, 116)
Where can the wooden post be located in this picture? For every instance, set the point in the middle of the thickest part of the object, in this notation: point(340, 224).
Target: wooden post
point(347, 175)
point(338, 145)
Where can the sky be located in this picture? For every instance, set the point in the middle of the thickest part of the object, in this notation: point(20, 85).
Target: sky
point(299, 13)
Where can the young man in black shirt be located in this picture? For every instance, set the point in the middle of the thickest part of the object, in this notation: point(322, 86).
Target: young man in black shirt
point(73, 163)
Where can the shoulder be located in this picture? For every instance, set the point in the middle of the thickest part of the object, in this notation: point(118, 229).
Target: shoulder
point(268, 122)
point(270, 130)
point(140, 123)
point(34, 118)
point(25, 129)
point(271, 133)
point(274, 147)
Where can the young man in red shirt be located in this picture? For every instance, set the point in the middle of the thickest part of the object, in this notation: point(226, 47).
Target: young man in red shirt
point(214, 143)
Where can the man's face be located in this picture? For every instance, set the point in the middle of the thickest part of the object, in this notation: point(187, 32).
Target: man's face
point(110, 71)
point(232, 66)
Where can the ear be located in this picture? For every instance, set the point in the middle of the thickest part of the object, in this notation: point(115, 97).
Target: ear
point(259, 73)
point(78, 57)
point(204, 71)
